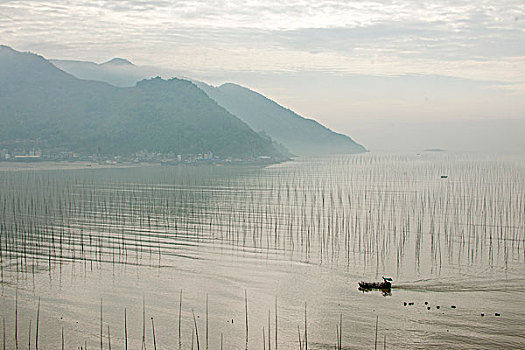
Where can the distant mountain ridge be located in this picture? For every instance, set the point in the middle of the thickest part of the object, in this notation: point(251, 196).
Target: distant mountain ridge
point(301, 136)
point(118, 62)
point(45, 107)
point(117, 71)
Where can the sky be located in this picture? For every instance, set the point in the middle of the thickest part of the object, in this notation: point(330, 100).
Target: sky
point(394, 75)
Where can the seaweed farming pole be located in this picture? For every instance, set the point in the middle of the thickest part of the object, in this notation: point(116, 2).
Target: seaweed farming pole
point(336, 346)
point(16, 319)
point(269, 332)
point(37, 323)
point(125, 329)
point(305, 329)
point(154, 338)
point(264, 338)
point(101, 325)
point(275, 323)
point(246, 311)
point(207, 331)
point(29, 337)
point(340, 332)
point(196, 331)
point(143, 323)
point(180, 315)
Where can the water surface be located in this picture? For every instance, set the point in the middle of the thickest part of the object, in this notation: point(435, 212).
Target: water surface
point(289, 237)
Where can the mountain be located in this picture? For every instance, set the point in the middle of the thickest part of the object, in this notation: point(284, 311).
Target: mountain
point(301, 136)
point(118, 71)
point(45, 107)
point(117, 62)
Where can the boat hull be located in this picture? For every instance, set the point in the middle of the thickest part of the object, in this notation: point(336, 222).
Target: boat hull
point(375, 285)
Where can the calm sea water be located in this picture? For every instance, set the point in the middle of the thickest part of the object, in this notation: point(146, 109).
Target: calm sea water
point(291, 240)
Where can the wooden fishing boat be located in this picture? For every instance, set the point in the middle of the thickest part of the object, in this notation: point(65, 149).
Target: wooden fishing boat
point(385, 284)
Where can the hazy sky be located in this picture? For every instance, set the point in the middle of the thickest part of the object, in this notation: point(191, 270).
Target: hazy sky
point(353, 65)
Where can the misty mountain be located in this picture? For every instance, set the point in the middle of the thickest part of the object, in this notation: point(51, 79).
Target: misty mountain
point(301, 136)
point(43, 106)
point(117, 71)
point(117, 61)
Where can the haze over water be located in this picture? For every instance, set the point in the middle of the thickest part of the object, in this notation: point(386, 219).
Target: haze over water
point(296, 233)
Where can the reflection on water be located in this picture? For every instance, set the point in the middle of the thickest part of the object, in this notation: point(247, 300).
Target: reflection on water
point(300, 232)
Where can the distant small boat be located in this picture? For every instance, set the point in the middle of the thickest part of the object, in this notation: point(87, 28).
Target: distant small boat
point(386, 284)
point(444, 176)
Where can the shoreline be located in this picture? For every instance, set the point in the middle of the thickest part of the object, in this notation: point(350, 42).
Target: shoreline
point(58, 165)
point(78, 165)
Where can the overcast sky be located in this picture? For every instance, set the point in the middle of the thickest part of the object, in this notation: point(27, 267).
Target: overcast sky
point(352, 65)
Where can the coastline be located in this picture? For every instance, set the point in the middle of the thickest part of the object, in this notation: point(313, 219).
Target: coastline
point(77, 165)
point(57, 165)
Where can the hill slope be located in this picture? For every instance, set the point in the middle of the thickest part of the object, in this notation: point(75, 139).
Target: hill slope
point(300, 135)
point(42, 106)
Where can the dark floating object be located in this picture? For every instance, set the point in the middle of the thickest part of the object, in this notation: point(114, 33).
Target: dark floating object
point(385, 285)
point(426, 302)
point(411, 304)
point(428, 307)
point(482, 314)
point(444, 176)
point(437, 307)
point(405, 303)
point(497, 314)
point(453, 306)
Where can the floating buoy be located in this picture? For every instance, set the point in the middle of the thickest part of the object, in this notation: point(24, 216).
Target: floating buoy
point(482, 314)
point(426, 302)
point(437, 307)
point(428, 308)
